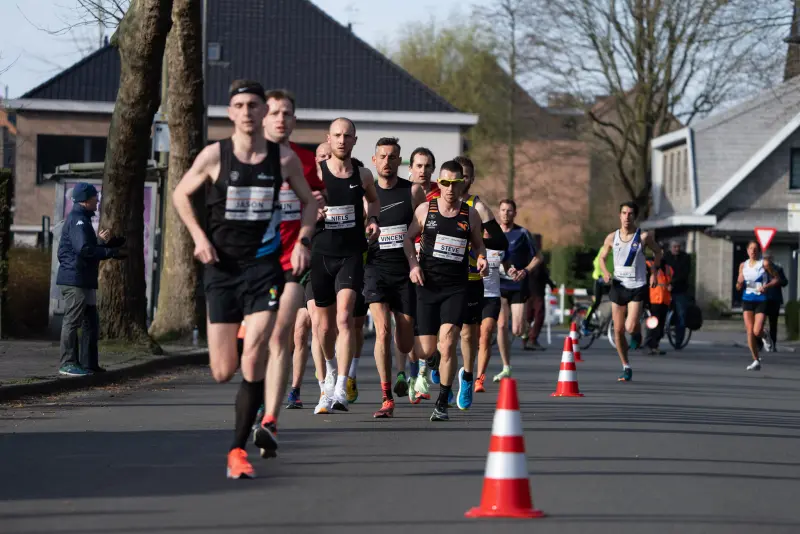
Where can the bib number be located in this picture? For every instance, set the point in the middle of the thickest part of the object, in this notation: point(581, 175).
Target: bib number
point(340, 217)
point(290, 205)
point(249, 203)
point(625, 273)
point(449, 248)
point(392, 236)
point(495, 258)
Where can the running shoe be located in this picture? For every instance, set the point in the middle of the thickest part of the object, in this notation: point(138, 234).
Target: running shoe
point(626, 376)
point(440, 413)
point(386, 411)
point(412, 391)
point(330, 384)
point(293, 402)
point(505, 373)
point(421, 388)
point(479, 384)
point(266, 439)
point(401, 385)
point(238, 466)
point(325, 405)
point(352, 390)
point(435, 378)
point(464, 392)
point(755, 366)
point(259, 417)
point(73, 369)
point(340, 401)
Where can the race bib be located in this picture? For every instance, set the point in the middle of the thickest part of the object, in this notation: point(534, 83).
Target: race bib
point(249, 203)
point(340, 217)
point(494, 257)
point(290, 205)
point(392, 236)
point(625, 273)
point(754, 288)
point(449, 248)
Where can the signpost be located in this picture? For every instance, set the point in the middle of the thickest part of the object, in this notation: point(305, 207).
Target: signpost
point(764, 236)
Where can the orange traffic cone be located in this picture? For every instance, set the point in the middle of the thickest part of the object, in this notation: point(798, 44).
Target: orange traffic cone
point(506, 489)
point(576, 345)
point(241, 332)
point(568, 375)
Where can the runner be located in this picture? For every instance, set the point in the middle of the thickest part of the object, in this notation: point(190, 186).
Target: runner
point(753, 279)
point(629, 284)
point(337, 262)
point(522, 258)
point(473, 308)
point(491, 311)
point(387, 287)
point(447, 224)
point(240, 249)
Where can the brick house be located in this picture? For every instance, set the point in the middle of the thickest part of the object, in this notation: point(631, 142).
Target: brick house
point(331, 71)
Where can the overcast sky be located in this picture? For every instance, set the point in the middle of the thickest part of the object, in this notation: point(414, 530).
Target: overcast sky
point(30, 55)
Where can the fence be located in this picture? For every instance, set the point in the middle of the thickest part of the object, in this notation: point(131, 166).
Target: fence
point(556, 306)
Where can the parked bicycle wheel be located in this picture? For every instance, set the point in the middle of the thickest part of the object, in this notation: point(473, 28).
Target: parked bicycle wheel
point(642, 328)
point(672, 331)
point(595, 325)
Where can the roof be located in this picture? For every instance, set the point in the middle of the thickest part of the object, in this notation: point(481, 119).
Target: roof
point(726, 145)
point(283, 43)
point(747, 219)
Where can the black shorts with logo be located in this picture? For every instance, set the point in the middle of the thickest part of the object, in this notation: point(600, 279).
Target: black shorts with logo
point(622, 296)
point(395, 289)
point(516, 296)
point(491, 308)
point(331, 274)
point(473, 305)
point(756, 306)
point(437, 306)
point(235, 289)
point(360, 309)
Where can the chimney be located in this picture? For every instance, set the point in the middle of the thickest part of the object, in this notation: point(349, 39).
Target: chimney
point(792, 67)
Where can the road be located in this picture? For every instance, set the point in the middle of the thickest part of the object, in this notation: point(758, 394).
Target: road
point(693, 445)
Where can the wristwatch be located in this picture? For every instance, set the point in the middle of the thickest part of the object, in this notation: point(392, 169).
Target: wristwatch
point(306, 242)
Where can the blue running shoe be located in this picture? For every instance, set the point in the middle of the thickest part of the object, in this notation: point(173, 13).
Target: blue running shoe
point(293, 402)
point(464, 392)
point(626, 376)
point(435, 376)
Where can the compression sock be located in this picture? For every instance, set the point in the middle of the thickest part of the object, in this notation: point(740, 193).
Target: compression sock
point(444, 396)
point(248, 401)
point(386, 389)
point(413, 369)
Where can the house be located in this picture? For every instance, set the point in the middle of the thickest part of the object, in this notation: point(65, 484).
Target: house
point(8, 132)
point(289, 44)
point(717, 180)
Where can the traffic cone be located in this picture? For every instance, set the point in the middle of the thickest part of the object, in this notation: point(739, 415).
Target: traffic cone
point(576, 345)
point(240, 334)
point(506, 489)
point(568, 375)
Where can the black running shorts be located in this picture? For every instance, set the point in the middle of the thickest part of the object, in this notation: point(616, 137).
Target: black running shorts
point(331, 274)
point(396, 290)
point(237, 289)
point(473, 307)
point(755, 306)
point(360, 309)
point(491, 308)
point(291, 278)
point(516, 296)
point(442, 305)
point(621, 295)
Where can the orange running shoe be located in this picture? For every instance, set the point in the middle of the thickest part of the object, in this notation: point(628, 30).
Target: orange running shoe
point(479, 384)
point(386, 411)
point(238, 466)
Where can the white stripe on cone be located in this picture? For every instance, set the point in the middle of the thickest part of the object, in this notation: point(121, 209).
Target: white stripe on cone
point(567, 376)
point(567, 357)
point(506, 466)
point(573, 335)
point(507, 423)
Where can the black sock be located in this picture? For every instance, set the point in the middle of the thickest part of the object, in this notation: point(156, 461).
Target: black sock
point(248, 401)
point(444, 396)
point(467, 376)
point(296, 392)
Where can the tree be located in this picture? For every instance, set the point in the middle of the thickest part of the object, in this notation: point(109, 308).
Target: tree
point(141, 39)
point(176, 297)
point(655, 64)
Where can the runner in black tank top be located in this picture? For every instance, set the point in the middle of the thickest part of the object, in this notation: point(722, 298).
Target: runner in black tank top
point(387, 287)
point(337, 256)
point(448, 226)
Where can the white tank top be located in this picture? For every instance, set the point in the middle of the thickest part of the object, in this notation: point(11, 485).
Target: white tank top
point(630, 268)
point(491, 284)
point(754, 278)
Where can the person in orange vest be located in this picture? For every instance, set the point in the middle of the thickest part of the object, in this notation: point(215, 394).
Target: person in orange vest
point(660, 299)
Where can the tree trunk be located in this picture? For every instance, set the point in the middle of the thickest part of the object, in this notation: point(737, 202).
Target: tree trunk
point(141, 39)
point(178, 283)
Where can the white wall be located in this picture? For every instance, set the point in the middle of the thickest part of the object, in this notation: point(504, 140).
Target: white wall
point(443, 140)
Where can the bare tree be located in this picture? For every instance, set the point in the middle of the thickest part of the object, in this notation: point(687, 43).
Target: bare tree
point(655, 64)
point(141, 39)
point(178, 282)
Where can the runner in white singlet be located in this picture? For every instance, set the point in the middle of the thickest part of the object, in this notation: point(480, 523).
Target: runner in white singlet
point(629, 281)
point(490, 313)
point(753, 280)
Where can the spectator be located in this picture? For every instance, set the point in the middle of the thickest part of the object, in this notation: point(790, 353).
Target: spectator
point(774, 303)
point(539, 279)
point(660, 299)
point(681, 265)
point(79, 257)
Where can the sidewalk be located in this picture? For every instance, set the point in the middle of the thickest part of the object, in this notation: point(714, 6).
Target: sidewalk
point(30, 367)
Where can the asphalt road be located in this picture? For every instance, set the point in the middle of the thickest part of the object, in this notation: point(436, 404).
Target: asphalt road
point(695, 444)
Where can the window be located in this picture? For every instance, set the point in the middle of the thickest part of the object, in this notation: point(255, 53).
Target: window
point(55, 150)
point(794, 171)
point(214, 51)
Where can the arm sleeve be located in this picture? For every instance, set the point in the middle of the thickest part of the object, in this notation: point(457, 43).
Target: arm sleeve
point(79, 235)
point(497, 238)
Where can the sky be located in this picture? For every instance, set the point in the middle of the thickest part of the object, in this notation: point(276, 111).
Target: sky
point(39, 37)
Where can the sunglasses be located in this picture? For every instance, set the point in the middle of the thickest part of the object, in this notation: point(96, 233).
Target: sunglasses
point(449, 183)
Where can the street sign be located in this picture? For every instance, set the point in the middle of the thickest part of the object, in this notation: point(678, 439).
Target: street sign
point(764, 236)
point(793, 215)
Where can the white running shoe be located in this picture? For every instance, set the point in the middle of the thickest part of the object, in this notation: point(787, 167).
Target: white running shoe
point(325, 405)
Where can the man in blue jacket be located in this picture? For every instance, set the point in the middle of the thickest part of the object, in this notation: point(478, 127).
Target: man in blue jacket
point(79, 256)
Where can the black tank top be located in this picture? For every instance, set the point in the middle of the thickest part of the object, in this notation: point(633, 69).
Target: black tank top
point(397, 211)
point(444, 254)
point(342, 232)
point(244, 206)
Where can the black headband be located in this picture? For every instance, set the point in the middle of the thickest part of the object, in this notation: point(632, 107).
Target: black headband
point(249, 89)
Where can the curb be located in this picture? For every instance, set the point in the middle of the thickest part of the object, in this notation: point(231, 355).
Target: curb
point(61, 385)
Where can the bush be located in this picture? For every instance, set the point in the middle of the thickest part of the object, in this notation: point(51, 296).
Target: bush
point(792, 314)
point(28, 295)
